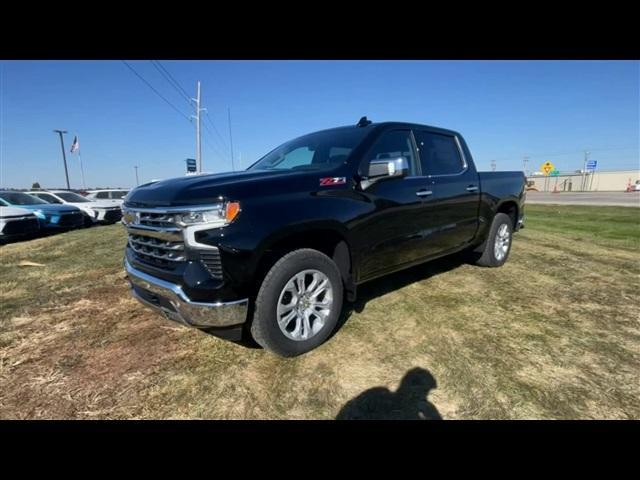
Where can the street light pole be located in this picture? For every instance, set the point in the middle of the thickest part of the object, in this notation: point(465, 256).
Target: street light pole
point(64, 156)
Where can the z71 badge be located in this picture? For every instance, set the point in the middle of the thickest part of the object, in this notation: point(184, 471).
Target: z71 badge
point(326, 181)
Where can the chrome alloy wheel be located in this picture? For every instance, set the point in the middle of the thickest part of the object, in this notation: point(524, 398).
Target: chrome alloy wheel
point(304, 305)
point(501, 245)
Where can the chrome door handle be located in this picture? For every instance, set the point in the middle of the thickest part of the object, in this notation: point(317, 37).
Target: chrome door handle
point(472, 188)
point(424, 193)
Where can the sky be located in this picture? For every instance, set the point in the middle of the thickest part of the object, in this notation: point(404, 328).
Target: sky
point(547, 110)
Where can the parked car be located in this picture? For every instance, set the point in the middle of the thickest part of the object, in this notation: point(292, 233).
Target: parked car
point(115, 196)
point(97, 211)
point(17, 223)
point(270, 252)
point(51, 217)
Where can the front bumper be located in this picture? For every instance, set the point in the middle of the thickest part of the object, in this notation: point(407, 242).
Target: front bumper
point(171, 300)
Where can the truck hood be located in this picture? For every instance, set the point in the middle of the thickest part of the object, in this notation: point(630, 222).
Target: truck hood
point(208, 188)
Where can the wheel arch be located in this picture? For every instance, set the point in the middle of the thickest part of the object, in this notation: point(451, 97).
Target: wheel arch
point(326, 238)
point(510, 208)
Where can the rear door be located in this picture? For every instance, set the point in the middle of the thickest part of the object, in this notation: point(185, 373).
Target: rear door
point(456, 190)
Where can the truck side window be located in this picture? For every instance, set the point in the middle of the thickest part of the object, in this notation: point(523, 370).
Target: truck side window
point(391, 145)
point(102, 195)
point(439, 154)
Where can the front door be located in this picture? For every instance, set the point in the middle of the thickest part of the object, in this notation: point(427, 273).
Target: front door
point(392, 233)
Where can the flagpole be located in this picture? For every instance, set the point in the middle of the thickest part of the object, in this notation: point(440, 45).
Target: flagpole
point(84, 185)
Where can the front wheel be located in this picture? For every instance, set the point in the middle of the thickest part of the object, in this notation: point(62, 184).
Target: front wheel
point(298, 304)
point(497, 246)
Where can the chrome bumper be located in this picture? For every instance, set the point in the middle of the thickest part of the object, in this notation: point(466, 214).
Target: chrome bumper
point(179, 308)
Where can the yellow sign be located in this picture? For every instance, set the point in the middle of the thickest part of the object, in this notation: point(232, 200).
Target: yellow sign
point(547, 168)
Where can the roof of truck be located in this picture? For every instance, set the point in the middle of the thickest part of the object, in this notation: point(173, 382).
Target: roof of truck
point(372, 126)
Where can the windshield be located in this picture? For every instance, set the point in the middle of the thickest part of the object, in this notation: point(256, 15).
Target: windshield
point(19, 198)
point(46, 197)
point(72, 197)
point(316, 151)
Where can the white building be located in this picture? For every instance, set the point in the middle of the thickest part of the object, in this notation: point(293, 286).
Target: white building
point(599, 181)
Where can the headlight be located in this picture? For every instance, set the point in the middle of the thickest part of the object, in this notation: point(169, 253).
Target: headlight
point(40, 214)
point(220, 215)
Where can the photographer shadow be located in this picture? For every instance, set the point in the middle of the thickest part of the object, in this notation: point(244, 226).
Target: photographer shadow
point(408, 402)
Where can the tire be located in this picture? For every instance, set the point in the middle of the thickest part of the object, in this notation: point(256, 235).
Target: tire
point(500, 226)
point(280, 289)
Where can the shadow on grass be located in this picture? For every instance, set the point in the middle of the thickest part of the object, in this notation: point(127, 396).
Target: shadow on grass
point(376, 288)
point(395, 281)
point(409, 402)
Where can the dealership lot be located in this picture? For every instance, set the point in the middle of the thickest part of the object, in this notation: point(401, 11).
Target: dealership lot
point(552, 334)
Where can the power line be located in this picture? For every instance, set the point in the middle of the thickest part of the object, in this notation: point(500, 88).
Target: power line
point(214, 148)
point(216, 130)
point(225, 152)
point(167, 76)
point(156, 91)
point(177, 84)
point(171, 79)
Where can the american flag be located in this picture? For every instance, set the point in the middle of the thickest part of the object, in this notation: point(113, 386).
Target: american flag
point(75, 146)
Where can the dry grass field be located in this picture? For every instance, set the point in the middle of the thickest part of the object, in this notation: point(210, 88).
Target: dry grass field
point(554, 334)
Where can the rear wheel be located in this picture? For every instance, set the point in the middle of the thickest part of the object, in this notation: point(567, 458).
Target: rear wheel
point(298, 304)
point(496, 248)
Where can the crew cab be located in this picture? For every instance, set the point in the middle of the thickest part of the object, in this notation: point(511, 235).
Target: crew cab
point(50, 217)
point(270, 252)
point(96, 211)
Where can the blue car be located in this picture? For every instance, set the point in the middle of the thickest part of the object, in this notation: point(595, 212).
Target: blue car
point(51, 217)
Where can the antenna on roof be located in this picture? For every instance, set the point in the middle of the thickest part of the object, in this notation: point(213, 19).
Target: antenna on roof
point(363, 122)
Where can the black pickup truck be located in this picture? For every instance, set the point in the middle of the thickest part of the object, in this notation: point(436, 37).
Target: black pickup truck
point(270, 252)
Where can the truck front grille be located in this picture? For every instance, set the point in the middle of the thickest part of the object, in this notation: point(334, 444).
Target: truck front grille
point(160, 251)
point(156, 219)
point(158, 240)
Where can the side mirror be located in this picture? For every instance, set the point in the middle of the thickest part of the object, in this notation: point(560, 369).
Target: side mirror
point(378, 169)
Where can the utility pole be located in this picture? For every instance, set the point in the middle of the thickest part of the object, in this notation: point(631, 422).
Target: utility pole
point(64, 156)
point(493, 165)
point(525, 160)
point(233, 168)
point(137, 182)
point(198, 136)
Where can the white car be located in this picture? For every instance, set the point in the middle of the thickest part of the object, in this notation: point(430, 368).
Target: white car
point(17, 222)
point(99, 211)
point(114, 196)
